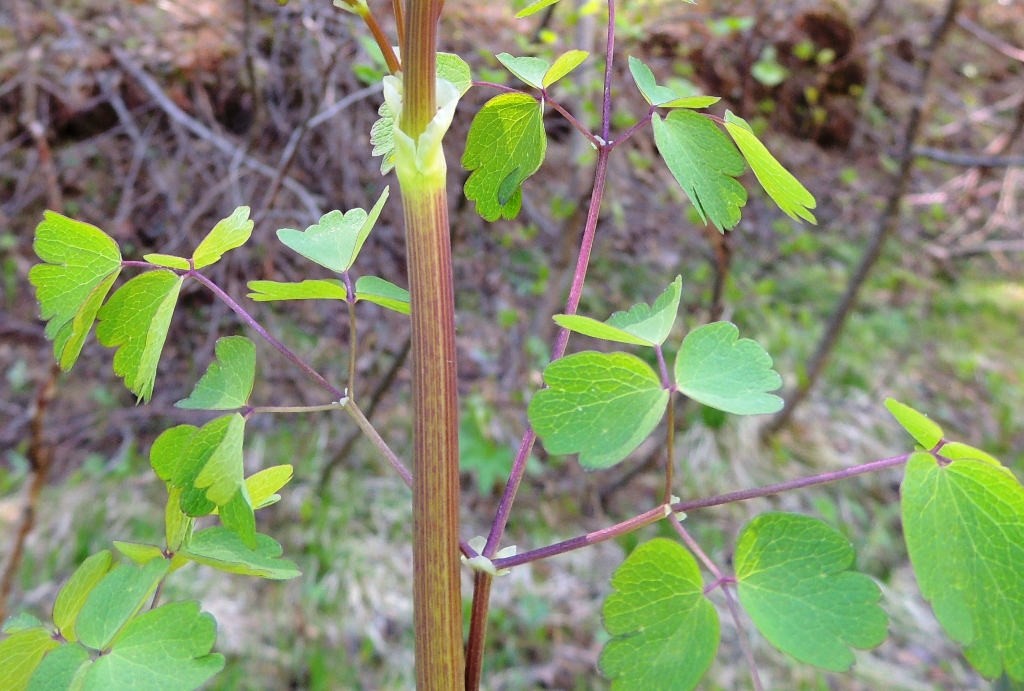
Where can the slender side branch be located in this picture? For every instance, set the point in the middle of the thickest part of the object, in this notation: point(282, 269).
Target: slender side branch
point(574, 122)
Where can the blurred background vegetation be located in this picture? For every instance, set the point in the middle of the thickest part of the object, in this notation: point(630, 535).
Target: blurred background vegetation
point(155, 118)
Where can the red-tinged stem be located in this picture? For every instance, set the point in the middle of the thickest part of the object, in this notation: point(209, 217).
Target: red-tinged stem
point(632, 130)
point(574, 122)
point(499, 87)
point(609, 55)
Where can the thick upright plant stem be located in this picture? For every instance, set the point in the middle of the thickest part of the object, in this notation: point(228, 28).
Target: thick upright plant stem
point(437, 599)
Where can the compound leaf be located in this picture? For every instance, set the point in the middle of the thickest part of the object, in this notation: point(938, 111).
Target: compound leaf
point(383, 293)
point(135, 321)
point(335, 241)
point(59, 668)
point(964, 527)
point(595, 329)
point(228, 381)
point(665, 632)
point(82, 263)
point(167, 649)
point(704, 163)
point(534, 8)
point(229, 233)
point(927, 433)
point(716, 369)
point(795, 583)
point(326, 289)
point(506, 145)
point(652, 323)
point(565, 64)
point(75, 592)
point(20, 654)
point(529, 70)
point(601, 405)
point(222, 549)
point(168, 261)
point(791, 196)
point(115, 600)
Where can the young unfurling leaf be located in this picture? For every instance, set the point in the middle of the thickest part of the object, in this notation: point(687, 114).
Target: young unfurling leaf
point(228, 381)
point(335, 241)
point(166, 649)
point(135, 320)
point(598, 405)
point(964, 526)
point(506, 145)
point(795, 583)
point(704, 163)
point(779, 183)
point(665, 631)
point(82, 263)
point(229, 233)
point(716, 369)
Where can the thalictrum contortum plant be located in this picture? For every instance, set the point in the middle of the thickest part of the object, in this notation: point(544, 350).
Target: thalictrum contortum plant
point(963, 512)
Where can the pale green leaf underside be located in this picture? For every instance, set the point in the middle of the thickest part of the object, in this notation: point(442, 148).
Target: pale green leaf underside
point(81, 264)
point(704, 163)
point(115, 600)
point(791, 196)
point(598, 405)
point(795, 583)
point(229, 233)
point(595, 329)
point(664, 630)
point(534, 8)
point(335, 241)
point(135, 321)
point(927, 433)
point(529, 70)
point(565, 64)
point(168, 261)
point(228, 381)
point(222, 549)
point(20, 654)
point(383, 293)
point(59, 668)
point(648, 85)
point(716, 369)
point(652, 323)
point(167, 649)
point(74, 593)
point(506, 145)
point(964, 527)
point(325, 289)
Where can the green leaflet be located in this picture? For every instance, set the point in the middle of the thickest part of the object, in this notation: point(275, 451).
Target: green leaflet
point(228, 381)
point(59, 668)
point(336, 240)
point(566, 63)
point(600, 405)
point(665, 631)
point(168, 261)
point(450, 67)
point(229, 233)
point(662, 96)
point(82, 263)
point(223, 550)
point(383, 293)
point(115, 600)
point(641, 325)
point(795, 583)
point(927, 433)
point(779, 183)
point(74, 593)
point(178, 525)
point(264, 485)
point(529, 70)
point(716, 369)
point(167, 649)
point(135, 321)
point(506, 145)
point(206, 464)
point(534, 8)
point(20, 654)
point(138, 552)
point(964, 527)
point(20, 622)
point(704, 163)
point(327, 289)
